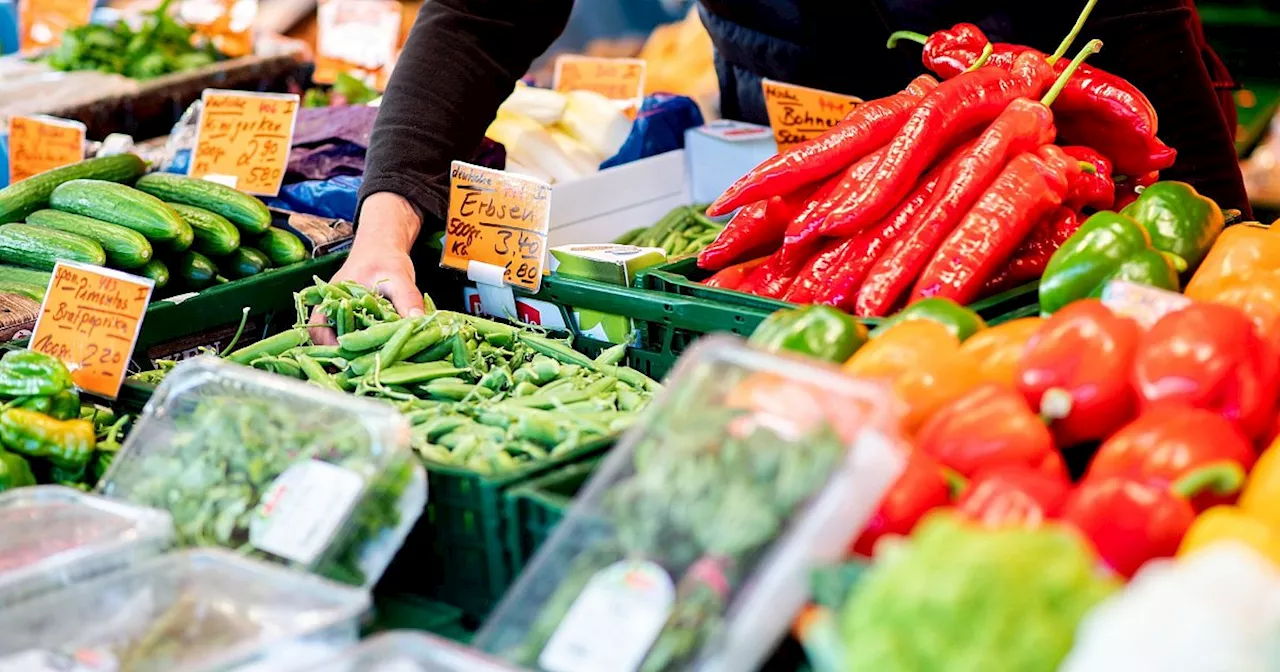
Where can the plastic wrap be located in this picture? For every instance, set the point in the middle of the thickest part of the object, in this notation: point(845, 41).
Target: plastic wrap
point(405, 651)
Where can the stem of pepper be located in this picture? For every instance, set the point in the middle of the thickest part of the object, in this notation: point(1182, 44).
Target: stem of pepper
point(908, 35)
point(1220, 478)
point(1075, 31)
point(1089, 168)
point(244, 318)
point(1090, 49)
point(982, 60)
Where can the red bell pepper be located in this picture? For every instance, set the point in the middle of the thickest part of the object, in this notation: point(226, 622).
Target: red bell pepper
point(1166, 443)
point(1013, 496)
point(730, 277)
point(1132, 521)
point(1072, 372)
point(1094, 186)
point(920, 488)
point(989, 426)
point(1209, 356)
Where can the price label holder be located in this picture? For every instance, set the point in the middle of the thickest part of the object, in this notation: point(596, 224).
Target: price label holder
point(41, 143)
point(1145, 305)
point(497, 232)
point(359, 37)
point(799, 113)
point(243, 139)
point(90, 320)
point(41, 23)
point(620, 79)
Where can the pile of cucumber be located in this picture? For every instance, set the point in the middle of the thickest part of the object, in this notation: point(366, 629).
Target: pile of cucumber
point(183, 233)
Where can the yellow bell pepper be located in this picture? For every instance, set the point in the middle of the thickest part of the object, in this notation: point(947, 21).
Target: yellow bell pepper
point(997, 349)
point(1239, 250)
point(1253, 521)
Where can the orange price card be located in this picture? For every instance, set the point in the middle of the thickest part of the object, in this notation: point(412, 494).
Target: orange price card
point(798, 113)
point(358, 37)
point(500, 220)
point(227, 23)
point(37, 144)
point(41, 23)
point(90, 320)
point(613, 78)
point(244, 138)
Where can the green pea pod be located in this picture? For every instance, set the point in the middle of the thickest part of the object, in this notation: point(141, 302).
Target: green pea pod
point(15, 472)
point(959, 320)
point(1108, 246)
point(66, 443)
point(26, 373)
point(557, 351)
point(817, 331)
point(273, 346)
point(1179, 220)
point(370, 339)
point(316, 374)
point(403, 374)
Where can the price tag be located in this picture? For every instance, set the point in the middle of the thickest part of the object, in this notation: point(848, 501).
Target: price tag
point(37, 144)
point(227, 23)
point(41, 23)
point(614, 78)
point(358, 37)
point(1144, 304)
point(499, 219)
point(245, 136)
point(798, 113)
point(90, 320)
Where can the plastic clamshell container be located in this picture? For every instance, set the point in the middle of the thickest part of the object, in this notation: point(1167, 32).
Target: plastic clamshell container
point(51, 536)
point(750, 470)
point(188, 611)
point(409, 651)
point(318, 480)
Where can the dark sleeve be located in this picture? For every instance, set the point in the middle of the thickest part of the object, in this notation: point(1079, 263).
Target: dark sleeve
point(460, 62)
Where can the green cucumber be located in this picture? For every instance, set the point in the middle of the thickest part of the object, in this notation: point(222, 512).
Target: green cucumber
point(195, 271)
point(23, 198)
point(130, 208)
point(27, 289)
point(281, 247)
point(38, 247)
point(125, 247)
point(215, 236)
point(156, 270)
point(245, 262)
point(248, 213)
point(27, 275)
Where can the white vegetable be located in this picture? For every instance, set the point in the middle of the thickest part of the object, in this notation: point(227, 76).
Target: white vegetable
point(541, 105)
point(514, 166)
point(581, 155)
point(596, 121)
point(529, 144)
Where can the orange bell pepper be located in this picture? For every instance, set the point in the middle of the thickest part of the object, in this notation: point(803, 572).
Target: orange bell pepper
point(998, 349)
point(923, 362)
point(1240, 249)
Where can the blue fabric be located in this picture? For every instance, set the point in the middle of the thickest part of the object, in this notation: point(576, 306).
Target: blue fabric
point(336, 197)
point(8, 26)
point(659, 128)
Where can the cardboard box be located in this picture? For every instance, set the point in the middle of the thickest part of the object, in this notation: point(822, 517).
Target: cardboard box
point(606, 205)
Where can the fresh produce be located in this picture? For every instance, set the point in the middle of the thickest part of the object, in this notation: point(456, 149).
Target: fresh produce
point(1255, 519)
point(68, 444)
point(281, 247)
point(25, 197)
point(960, 321)
point(157, 271)
point(1179, 220)
point(194, 271)
point(158, 46)
point(128, 207)
point(41, 248)
point(124, 247)
point(245, 262)
point(922, 487)
point(1013, 495)
point(998, 350)
point(15, 472)
point(30, 290)
point(346, 90)
point(558, 137)
point(213, 234)
point(961, 597)
point(246, 212)
point(989, 426)
point(1239, 271)
point(821, 332)
point(681, 232)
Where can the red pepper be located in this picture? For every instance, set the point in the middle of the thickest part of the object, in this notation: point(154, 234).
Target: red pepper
point(730, 277)
point(1131, 521)
point(989, 426)
point(749, 230)
point(1072, 372)
point(1013, 496)
point(1164, 444)
point(1031, 257)
point(1092, 187)
point(1031, 187)
point(811, 218)
point(1209, 356)
point(1128, 190)
point(779, 270)
point(815, 272)
point(920, 488)
point(868, 126)
point(944, 117)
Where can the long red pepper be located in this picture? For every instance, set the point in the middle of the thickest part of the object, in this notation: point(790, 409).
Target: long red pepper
point(1094, 187)
point(816, 211)
point(730, 277)
point(944, 116)
point(757, 228)
point(775, 275)
point(819, 267)
point(1031, 257)
point(868, 126)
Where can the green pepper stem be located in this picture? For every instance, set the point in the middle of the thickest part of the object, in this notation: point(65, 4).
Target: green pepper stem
point(1179, 264)
point(1088, 168)
point(1075, 32)
point(982, 60)
point(244, 319)
point(1093, 47)
point(1219, 478)
point(956, 484)
point(908, 35)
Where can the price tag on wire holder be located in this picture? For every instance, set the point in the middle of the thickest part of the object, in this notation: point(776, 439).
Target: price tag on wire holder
point(244, 138)
point(39, 143)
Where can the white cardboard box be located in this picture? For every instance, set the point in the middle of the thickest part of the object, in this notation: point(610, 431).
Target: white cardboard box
point(599, 208)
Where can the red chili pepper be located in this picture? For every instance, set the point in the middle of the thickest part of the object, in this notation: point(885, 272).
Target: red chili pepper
point(1209, 356)
point(868, 126)
point(1013, 496)
point(780, 269)
point(989, 426)
point(1128, 190)
point(920, 488)
point(811, 218)
point(1164, 444)
point(730, 277)
point(819, 267)
point(1092, 187)
point(943, 117)
point(749, 230)
point(1131, 521)
point(1031, 187)
point(1071, 372)
point(1031, 257)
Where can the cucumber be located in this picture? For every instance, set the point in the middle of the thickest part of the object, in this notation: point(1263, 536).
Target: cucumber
point(130, 208)
point(245, 262)
point(195, 271)
point(215, 236)
point(156, 270)
point(26, 275)
point(23, 198)
point(281, 247)
point(125, 247)
point(246, 212)
point(38, 247)
point(27, 289)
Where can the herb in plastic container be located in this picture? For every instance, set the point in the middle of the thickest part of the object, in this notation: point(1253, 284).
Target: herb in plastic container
point(274, 468)
point(692, 544)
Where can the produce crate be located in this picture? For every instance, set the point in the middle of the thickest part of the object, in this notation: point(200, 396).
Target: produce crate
point(411, 612)
point(536, 507)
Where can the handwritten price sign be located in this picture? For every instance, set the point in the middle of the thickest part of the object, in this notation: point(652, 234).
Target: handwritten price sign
point(798, 113)
point(244, 139)
point(90, 320)
point(500, 219)
point(41, 23)
point(359, 37)
point(37, 144)
point(613, 78)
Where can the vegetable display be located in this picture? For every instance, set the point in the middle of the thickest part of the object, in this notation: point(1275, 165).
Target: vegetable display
point(159, 46)
point(682, 232)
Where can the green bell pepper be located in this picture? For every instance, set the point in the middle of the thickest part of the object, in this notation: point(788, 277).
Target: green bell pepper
point(956, 318)
point(1179, 220)
point(64, 405)
point(68, 444)
point(1108, 246)
point(29, 373)
point(817, 331)
point(14, 471)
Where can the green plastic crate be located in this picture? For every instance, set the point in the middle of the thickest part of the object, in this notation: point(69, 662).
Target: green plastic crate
point(413, 612)
point(536, 507)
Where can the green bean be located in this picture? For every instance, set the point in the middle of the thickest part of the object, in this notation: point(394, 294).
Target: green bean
point(502, 340)
point(557, 351)
point(369, 339)
point(311, 296)
point(612, 356)
point(436, 352)
point(316, 373)
point(273, 346)
point(402, 374)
